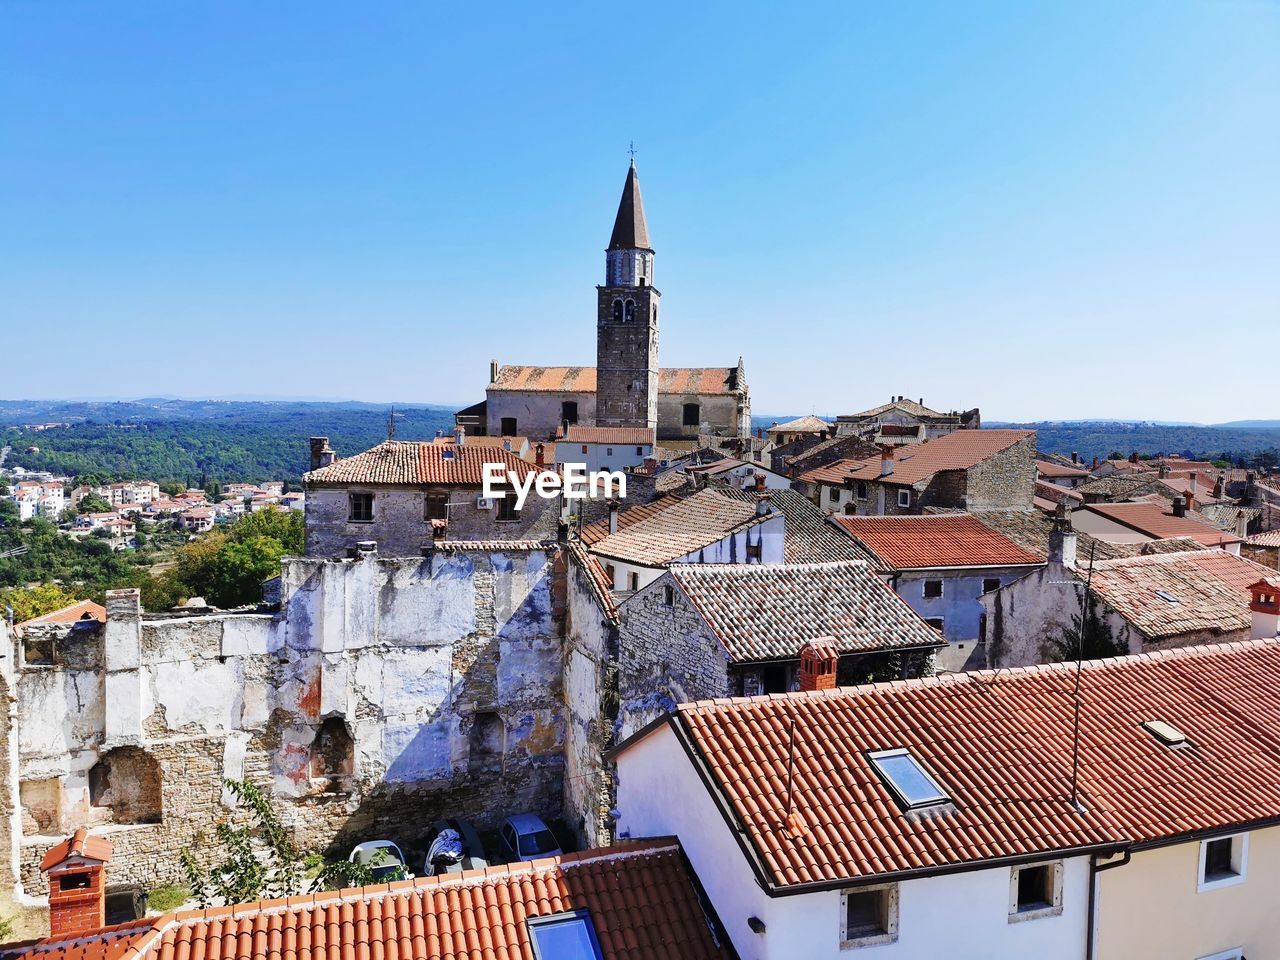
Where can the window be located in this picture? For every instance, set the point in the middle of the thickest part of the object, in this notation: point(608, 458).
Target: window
point(692, 415)
point(902, 774)
point(564, 936)
point(617, 311)
point(436, 507)
point(868, 916)
point(584, 448)
point(833, 494)
point(1223, 861)
point(754, 551)
point(508, 426)
point(507, 512)
point(333, 755)
point(569, 411)
point(862, 489)
point(628, 311)
point(935, 622)
point(361, 507)
point(904, 498)
point(990, 583)
point(669, 595)
point(932, 589)
point(125, 786)
point(633, 581)
point(608, 451)
point(1166, 733)
point(1035, 891)
point(612, 574)
point(639, 451)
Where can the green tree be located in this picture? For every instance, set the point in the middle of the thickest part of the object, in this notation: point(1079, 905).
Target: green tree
point(286, 526)
point(30, 602)
point(94, 504)
point(1090, 639)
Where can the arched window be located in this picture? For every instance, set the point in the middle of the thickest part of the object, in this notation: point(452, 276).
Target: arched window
point(124, 786)
point(628, 311)
point(655, 313)
point(692, 414)
point(617, 311)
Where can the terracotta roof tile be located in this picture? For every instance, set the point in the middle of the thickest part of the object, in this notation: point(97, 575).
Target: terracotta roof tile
point(80, 844)
point(1049, 468)
point(808, 424)
point(1156, 520)
point(1000, 745)
point(623, 436)
point(768, 611)
point(640, 898)
point(1209, 591)
point(937, 540)
point(596, 531)
point(683, 528)
point(412, 463)
point(1269, 539)
point(83, 610)
point(914, 463)
point(808, 536)
point(684, 380)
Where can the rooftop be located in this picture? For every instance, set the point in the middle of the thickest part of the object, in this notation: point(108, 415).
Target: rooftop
point(999, 745)
point(1157, 521)
point(918, 462)
point(696, 380)
point(1050, 469)
point(767, 612)
point(81, 610)
point(684, 527)
point(935, 540)
point(640, 899)
point(809, 424)
point(809, 535)
point(623, 436)
point(410, 462)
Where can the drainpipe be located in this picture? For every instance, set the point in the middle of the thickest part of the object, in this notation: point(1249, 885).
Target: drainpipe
point(1094, 870)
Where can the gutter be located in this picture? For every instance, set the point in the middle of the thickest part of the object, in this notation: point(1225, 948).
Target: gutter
point(1092, 921)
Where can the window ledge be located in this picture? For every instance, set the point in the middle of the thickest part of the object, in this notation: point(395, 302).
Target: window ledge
point(1220, 882)
point(1038, 913)
point(360, 522)
point(875, 940)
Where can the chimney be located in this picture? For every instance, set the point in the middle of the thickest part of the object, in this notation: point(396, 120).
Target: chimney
point(886, 459)
point(77, 883)
point(818, 660)
point(1163, 470)
point(760, 483)
point(1062, 548)
point(1220, 487)
point(1095, 464)
point(459, 434)
point(493, 371)
point(1195, 486)
point(1265, 605)
point(540, 455)
point(613, 515)
point(367, 549)
point(759, 433)
point(321, 453)
point(1179, 507)
point(762, 502)
point(506, 445)
point(1133, 457)
point(1075, 458)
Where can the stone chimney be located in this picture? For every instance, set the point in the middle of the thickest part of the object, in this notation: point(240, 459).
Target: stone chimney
point(762, 502)
point(613, 515)
point(1220, 487)
point(886, 459)
point(459, 435)
point(1095, 464)
point(321, 453)
point(1179, 507)
point(1163, 470)
point(1265, 604)
point(77, 883)
point(818, 659)
point(367, 549)
point(1075, 458)
point(493, 371)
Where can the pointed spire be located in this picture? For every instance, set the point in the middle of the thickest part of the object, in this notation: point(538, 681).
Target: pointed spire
point(630, 232)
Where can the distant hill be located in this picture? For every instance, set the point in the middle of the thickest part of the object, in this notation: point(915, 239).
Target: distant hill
point(1098, 438)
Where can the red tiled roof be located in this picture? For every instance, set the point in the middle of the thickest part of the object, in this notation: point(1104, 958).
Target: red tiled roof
point(1000, 746)
point(623, 436)
point(480, 440)
point(1269, 539)
point(937, 540)
point(1047, 468)
point(1210, 591)
point(596, 531)
point(419, 462)
point(71, 614)
point(80, 844)
point(690, 380)
point(1157, 520)
point(916, 462)
point(640, 898)
point(806, 424)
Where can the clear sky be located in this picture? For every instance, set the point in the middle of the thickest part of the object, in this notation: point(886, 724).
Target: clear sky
point(1050, 210)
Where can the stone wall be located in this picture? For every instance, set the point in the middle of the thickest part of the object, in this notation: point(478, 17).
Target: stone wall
point(537, 413)
point(444, 675)
point(1005, 481)
point(668, 655)
point(627, 359)
point(400, 527)
point(719, 413)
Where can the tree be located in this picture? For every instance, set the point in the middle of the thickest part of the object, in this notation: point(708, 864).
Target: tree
point(286, 526)
point(31, 602)
point(1092, 640)
point(94, 504)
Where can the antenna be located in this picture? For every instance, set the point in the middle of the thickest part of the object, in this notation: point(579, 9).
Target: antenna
point(1075, 726)
point(791, 764)
point(391, 423)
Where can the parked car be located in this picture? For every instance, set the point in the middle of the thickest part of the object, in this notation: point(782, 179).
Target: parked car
point(526, 837)
point(383, 858)
point(453, 846)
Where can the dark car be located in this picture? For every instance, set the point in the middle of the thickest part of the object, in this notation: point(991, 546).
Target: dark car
point(453, 846)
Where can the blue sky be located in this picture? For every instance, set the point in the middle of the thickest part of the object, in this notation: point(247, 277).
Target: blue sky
point(1050, 210)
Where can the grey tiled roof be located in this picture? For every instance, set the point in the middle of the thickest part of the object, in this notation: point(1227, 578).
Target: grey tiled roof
point(809, 536)
point(768, 611)
point(1030, 530)
point(688, 525)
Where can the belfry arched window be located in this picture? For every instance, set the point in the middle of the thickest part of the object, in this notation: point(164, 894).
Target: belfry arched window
point(617, 311)
point(628, 311)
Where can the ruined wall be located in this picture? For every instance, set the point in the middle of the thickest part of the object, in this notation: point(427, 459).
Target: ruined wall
point(1005, 481)
point(590, 694)
point(668, 656)
point(443, 675)
point(400, 527)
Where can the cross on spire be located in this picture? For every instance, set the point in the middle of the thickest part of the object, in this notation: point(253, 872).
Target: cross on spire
point(631, 149)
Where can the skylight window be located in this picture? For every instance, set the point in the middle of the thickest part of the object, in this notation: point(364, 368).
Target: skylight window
point(1166, 733)
point(564, 936)
point(903, 774)
point(1166, 596)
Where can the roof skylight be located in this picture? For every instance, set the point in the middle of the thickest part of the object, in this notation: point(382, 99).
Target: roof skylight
point(1166, 595)
point(564, 936)
point(903, 774)
point(1166, 733)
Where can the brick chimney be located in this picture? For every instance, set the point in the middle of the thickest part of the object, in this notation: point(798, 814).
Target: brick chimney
point(540, 455)
point(818, 660)
point(77, 883)
point(886, 459)
point(759, 480)
point(1265, 604)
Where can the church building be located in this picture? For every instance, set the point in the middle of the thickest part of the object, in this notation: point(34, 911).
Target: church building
point(626, 388)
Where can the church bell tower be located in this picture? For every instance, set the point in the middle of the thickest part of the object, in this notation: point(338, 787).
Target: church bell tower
point(627, 321)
